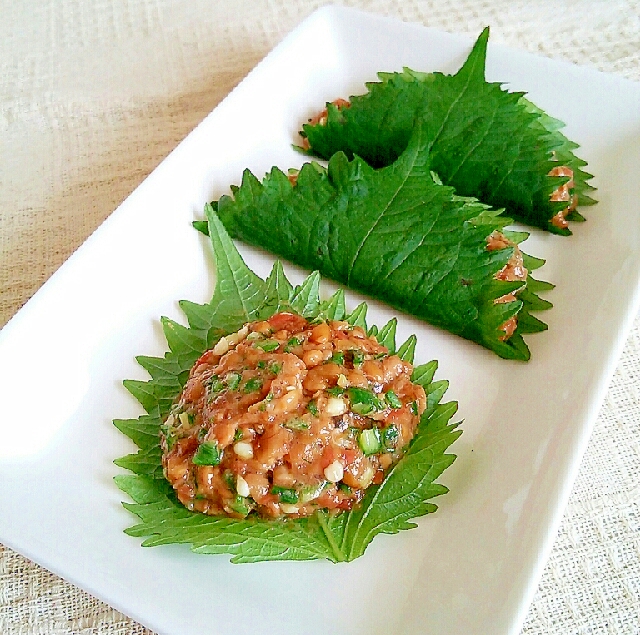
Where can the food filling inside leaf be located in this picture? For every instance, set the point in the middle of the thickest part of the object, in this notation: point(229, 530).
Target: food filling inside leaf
point(243, 436)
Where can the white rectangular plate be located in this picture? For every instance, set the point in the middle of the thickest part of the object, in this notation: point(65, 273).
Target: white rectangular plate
point(470, 568)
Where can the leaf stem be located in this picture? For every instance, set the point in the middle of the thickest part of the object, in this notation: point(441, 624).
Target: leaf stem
point(337, 551)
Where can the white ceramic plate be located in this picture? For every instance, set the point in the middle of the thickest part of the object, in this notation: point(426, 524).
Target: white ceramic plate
point(470, 568)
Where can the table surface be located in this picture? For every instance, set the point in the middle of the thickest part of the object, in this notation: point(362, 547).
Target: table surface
point(93, 95)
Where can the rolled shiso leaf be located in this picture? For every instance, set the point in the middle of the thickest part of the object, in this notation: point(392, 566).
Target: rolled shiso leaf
point(484, 141)
point(395, 234)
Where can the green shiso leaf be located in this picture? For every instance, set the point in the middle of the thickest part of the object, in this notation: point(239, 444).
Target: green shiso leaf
point(407, 488)
point(241, 296)
point(393, 233)
point(485, 141)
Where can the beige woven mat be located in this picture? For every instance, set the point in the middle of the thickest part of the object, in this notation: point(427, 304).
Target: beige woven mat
point(94, 95)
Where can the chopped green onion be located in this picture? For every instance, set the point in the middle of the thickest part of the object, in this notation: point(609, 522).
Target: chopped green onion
point(233, 380)
point(208, 453)
point(252, 385)
point(312, 407)
point(238, 435)
point(414, 407)
point(363, 401)
point(296, 424)
point(267, 345)
point(229, 479)
point(214, 385)
point(311, 492)
point(202, 433)
point(390, 437)
point(344, 487)
point(293, 342)
point(275, 368)
point(369, 441)
point(357, 357)
point(285, 494)
point(170, 438)
point(393, 400)
point(239, 505)
point(336, 358)
point(262, 364)
point(336, 391)
point(362, 408)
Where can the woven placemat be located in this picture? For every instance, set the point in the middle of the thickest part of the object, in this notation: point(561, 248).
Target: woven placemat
point(94, 96)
